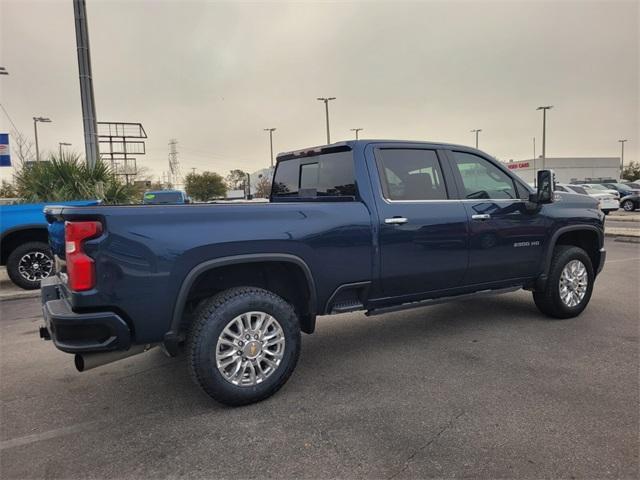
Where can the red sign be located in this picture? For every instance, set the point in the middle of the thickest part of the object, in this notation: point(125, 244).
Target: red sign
point(513, 166)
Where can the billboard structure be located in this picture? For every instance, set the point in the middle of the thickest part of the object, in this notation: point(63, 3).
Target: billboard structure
point(118, 142)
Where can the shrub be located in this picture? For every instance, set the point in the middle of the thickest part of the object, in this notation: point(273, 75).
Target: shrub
point(69, 178)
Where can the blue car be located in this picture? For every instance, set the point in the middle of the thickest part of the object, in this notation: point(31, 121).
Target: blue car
point(23, 242)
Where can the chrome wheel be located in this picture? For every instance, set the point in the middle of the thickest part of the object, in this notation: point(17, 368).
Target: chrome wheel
point(34, 266)
point(250, 348)
point(573, 283)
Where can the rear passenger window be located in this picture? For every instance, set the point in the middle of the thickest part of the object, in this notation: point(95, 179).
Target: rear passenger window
point(481, 178)
point(411, 174)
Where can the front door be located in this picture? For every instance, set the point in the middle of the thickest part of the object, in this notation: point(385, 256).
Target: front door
point(505, 239)
point(423, 229)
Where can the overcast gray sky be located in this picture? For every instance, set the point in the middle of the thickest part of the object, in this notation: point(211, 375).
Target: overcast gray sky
point(214, 74)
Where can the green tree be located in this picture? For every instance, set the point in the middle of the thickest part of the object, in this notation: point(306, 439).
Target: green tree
point(236, 179)
point(631, 172)
point(263, 187)
point(7, 190)
point(205, 186)
point(69, 178)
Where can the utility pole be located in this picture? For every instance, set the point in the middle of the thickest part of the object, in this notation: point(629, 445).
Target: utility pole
point(35, 130)
point(86, 83)
point(534, 149)
point(193, 170)
point(476, 131)
point(326, 101)
point(60, 145)
point(356, 130)
point(544, 132)
point(270, 130)
point(622, 157)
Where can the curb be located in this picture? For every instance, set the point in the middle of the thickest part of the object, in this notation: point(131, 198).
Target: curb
point(621, 238)
point(19, 295)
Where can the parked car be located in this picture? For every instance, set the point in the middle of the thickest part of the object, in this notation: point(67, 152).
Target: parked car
point(621, 188)
point(165, 197)
point(630, 202)
point(23, 242)
point(607, 202)
point(596, 187)
point(378, 226)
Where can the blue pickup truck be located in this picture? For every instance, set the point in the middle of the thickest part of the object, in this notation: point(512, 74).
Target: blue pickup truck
point(23, 242)
point(361, 225)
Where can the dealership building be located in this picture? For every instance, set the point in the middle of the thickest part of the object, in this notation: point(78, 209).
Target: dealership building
point(568, 169)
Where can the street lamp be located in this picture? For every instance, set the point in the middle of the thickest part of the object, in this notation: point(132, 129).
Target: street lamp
point(476, 131)
point(622, 157)
point(326, 101)
point(544, 132)
point(60, 145)
point(356, 130)
point(35, 129)
point(270, 130)
point(3, 71)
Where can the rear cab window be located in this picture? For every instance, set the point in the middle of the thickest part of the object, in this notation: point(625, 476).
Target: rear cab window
point(324, 175)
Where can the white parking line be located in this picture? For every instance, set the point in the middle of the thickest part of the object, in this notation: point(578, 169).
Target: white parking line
point(37, 437)
point(621, 260)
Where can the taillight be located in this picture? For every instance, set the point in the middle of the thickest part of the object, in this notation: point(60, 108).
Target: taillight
point(81, 269)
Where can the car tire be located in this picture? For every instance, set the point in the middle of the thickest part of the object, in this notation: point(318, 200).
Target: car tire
point(606, 212)
point(220, 321)
point(29, 263)
point(552, 301)
point(628, 206)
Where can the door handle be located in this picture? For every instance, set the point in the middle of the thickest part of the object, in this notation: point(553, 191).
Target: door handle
point(395, 221)
point(481, 216)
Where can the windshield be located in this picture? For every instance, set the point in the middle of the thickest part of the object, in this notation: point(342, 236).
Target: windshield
point(156, 198)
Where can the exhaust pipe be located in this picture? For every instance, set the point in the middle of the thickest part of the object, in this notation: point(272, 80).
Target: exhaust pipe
point(87, 361)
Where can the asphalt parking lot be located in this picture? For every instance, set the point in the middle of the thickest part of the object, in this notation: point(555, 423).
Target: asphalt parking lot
point(485, 388)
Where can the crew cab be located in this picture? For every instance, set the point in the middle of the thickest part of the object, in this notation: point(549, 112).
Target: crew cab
point(360, 225)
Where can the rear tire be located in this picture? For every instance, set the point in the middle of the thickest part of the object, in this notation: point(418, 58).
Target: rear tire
point(235, 370)
point(570, 268)
point(628, 206)
point(30, 263)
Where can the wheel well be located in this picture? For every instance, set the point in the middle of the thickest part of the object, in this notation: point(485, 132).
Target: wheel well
point(18, 237)
point(285, 279)
point(587, 240)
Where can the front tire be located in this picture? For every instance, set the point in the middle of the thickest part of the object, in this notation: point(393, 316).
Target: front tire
point(243, 345)
point(29, 264)
point(628, 206)
point(569, 285)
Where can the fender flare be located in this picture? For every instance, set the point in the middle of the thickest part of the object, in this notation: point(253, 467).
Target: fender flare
point(542, 278)
point(171, 337)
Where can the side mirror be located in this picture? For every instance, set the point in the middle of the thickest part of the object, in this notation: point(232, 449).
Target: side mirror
point(546, 186)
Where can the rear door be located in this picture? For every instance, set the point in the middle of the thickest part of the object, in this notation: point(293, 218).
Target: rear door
point(422, 227)
point(505, 239)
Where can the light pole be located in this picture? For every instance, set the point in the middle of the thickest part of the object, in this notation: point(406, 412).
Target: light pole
point(356, 130)
point(60, 145)
point(35, 129)
point(270, 130)
point(622, 157)
point(326, 101)
point(476, 131)
point(544, 132)
point(3, 71)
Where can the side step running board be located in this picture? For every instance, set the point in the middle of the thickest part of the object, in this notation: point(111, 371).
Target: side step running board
point(436, 301)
